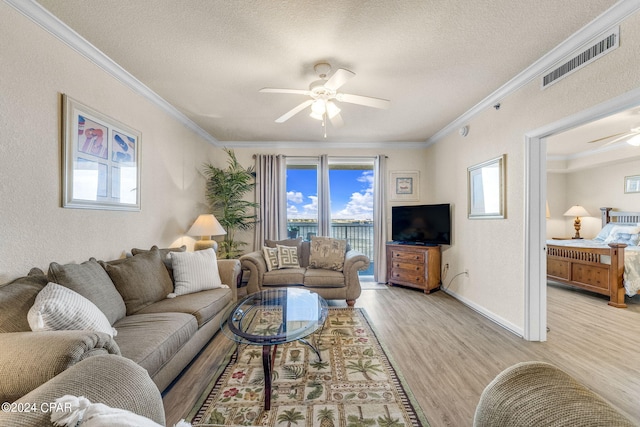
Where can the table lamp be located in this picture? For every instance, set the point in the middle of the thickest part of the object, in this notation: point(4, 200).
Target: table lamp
point(577, 211)
point(206, 226)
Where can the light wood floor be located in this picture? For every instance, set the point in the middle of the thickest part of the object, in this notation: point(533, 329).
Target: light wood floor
point(448, 353)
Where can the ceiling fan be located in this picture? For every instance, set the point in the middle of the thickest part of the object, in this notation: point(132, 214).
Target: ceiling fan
point(323, 93)
point(632, 137)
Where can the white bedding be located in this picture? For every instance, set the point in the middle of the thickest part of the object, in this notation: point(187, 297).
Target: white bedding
point(631, 260)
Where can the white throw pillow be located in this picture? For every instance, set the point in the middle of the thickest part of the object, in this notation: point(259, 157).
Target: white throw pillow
point(287, 257)
point(195, 271)
point(270, 257)
point(57, 308)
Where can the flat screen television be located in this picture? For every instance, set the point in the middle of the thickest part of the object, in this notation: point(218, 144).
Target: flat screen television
point(421, 224)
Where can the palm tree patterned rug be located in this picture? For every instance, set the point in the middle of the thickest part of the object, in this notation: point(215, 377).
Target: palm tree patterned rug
point(354, 385)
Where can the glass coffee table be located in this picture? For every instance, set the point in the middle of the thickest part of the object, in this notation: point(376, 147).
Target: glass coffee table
point(272, 317)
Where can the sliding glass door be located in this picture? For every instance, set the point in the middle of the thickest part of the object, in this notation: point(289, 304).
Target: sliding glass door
point(349, 194)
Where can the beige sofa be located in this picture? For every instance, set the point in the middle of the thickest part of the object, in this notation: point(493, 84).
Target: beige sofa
point(328, 283)
point(538, 394)
point(158, 334)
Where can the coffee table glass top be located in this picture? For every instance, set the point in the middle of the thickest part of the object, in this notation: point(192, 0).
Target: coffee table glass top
point(275, 316)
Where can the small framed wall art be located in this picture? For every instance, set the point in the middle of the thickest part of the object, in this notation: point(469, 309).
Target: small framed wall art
point(100, 161)
point(404, 185)
point(632, 184)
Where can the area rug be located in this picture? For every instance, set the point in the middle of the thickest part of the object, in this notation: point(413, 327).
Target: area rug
point(355, 383)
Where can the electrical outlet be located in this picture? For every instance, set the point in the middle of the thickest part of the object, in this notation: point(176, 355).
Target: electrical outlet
point(446, 266)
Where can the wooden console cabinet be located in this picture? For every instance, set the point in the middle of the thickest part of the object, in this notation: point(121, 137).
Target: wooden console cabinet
point(415, 266)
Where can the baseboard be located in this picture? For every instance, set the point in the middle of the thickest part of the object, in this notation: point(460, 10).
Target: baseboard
point(488, 314)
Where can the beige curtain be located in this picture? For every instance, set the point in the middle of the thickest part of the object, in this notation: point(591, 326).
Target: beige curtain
point(380, 219)
point(271, 196)
point(324, 198)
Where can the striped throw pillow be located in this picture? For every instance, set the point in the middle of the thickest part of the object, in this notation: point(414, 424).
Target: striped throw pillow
point(195, 271)
point(57, 308)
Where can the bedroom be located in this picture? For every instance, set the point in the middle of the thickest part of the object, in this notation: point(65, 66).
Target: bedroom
point(589, 166)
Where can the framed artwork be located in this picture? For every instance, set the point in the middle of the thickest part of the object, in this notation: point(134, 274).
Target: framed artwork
point(404, 185)
point(486, 189)
point(100, 161)
point(632, 184)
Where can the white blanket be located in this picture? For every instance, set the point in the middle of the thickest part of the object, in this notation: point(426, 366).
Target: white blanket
point(631, 260)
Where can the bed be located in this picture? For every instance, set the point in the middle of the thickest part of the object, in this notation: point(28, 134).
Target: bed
point(609, 264)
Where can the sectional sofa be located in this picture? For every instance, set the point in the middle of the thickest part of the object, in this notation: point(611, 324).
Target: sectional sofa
point(149, 315)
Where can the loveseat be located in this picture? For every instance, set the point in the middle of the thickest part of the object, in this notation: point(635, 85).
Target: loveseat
point(323, 265)
point(158, 317)
point(538, 394)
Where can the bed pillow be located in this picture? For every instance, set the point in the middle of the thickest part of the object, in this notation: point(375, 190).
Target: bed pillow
point(195, 271)
point(57, 308)
point(623, 234)
point(270, 257)
point(610, 228)
point(287, 256)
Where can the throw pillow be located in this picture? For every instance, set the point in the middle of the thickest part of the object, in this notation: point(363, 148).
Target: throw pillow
point(16, 298)
point(327, 252)
point(141, 279)
point(195, 271)
point(287, 256)
point(271, 257)
point(90, 280)
point(164, 255)
point(57, 308)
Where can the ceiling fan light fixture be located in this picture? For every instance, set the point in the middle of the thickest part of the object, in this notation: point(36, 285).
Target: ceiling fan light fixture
point(332, 109)
point(635, 141)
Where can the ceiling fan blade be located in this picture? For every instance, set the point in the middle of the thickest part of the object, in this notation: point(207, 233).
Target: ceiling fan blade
point(336, 120)
point(340, 77)
point(364, 100)
point(607, 137)
point(624, 136)
point(293, 91)
point(286, 116)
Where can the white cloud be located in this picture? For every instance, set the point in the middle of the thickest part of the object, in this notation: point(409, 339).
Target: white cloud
point(295, 197)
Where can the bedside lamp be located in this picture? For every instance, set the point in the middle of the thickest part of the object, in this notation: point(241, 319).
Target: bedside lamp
point(206, 226)
point(577, 211)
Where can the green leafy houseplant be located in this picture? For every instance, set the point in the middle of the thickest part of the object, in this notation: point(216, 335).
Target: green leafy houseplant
point(225, 193)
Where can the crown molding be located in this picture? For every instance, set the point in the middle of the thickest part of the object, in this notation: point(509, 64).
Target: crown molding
point(609, 18)
point(42, 17)
point(326, 144)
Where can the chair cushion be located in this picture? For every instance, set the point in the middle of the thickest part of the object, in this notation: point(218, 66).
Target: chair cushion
point(16, 298)
point(327, 253)
point(321, 278)
point(204, 305)
point(285, 276)
point(57, 308)
point(91, 281)
point(141, 279)
point(152, 339)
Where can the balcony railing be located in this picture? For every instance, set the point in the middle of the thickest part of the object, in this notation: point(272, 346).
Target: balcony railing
point(358, 234)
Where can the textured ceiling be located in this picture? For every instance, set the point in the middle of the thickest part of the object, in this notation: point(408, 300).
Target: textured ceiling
point(433, 59)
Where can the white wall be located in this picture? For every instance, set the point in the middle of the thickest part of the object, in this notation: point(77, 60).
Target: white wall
point(35, 69)
point(493, 250)
point(594, 188)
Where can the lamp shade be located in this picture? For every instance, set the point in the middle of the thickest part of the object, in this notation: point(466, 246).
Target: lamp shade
point(206, 225)
point(577, 211)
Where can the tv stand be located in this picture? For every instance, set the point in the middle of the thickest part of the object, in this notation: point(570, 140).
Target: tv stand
point(414, 265)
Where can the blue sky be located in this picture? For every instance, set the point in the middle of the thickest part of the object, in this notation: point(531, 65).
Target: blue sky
point(351, 193)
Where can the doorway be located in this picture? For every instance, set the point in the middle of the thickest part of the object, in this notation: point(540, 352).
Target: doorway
point(535, 321)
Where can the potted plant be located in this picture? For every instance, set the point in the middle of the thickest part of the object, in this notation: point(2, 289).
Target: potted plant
point(225, 193)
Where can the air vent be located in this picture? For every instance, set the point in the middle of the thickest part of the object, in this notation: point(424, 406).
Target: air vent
point(605, 44)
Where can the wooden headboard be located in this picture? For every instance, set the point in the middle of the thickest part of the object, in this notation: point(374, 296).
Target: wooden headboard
point(609, 215)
